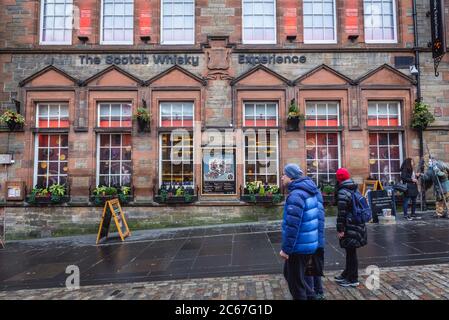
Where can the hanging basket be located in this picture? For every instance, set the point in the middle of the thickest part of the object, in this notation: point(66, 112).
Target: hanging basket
point(11, 125)
point(293, 124)
point(142, 124)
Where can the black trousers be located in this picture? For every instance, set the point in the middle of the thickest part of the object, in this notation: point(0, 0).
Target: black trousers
point(294, 273)
point(351, 272)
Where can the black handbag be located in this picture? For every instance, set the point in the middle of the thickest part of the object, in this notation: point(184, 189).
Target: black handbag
point(401, 187)
point(315, 264)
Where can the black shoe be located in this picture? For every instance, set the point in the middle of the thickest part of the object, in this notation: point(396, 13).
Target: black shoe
point(346, 284)
point(339, 278)
point(408, 218)
point(414, 217)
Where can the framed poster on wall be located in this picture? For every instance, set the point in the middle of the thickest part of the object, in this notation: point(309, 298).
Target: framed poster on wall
point(219, 170)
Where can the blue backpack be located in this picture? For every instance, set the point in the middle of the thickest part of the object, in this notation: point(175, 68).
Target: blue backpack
point(361, 211)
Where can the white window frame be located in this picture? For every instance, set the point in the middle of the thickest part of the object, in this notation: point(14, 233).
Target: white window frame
point(316, 146)
point(121, 158)
point(193, 157)
point(401, 155)
point(110, 103)
point(327, 111)
point(277, 156)
point(48, 104)
point(255, 116)
point(260, 41)
point(395, 26)
point(397, 103)
point(182, 112)
point(36, 158)
point(41, 27)
point(335, 29)
point(173, 42)
point(102, 31)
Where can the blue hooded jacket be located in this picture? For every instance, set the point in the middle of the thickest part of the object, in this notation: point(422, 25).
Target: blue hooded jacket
point(303, 222)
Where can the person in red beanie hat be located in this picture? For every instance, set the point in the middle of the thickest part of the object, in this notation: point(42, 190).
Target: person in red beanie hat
point(352, 235)
point(342, 175)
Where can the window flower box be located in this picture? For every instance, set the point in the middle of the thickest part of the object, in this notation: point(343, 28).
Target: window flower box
point(55, 194)
point(259, 194)
point(101, 194)
point(175, 195)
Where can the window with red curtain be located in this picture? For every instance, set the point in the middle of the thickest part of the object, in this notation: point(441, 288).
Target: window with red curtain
point(260, 114)
point(52, 156)
point(383, 113)
point(322, 114)
point(53, 115)
point(176, 114)
point(114, 115)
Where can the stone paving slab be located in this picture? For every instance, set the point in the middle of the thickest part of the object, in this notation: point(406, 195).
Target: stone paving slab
point(429, 282)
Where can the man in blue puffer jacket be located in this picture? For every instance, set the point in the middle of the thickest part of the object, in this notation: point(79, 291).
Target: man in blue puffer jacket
point(301, 228)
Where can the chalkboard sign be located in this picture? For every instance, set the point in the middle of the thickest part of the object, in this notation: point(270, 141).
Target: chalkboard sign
point(379, 200)
point(2, 227)
point(111, 209)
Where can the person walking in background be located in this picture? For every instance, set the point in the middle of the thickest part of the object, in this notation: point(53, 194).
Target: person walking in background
point(351, 232)
point(409, 177)
point(300, 228)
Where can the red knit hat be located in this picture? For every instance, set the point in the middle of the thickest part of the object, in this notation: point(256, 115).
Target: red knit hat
point(342, 175)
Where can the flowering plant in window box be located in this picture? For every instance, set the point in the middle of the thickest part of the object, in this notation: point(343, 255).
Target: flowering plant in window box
point(12, 119)
point(55, 194)
point(143, 118)
point(175, 194)
point(101, 194)
point(255, 192)
point(294, 117)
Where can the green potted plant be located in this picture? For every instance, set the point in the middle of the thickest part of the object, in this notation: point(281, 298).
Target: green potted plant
point(57, 192)
point(143, 118)
point(12, 119)
point(294, 117)
point(421, 116)
point(328, 193)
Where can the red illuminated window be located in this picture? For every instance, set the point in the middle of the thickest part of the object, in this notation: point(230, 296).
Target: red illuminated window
point(114, 115)
point(53, 115)
point(176, 114)
point(260, 114)
point(51, 153)
point(322, 114)
point(385, 156)
point(384, 114)
point(323, 156)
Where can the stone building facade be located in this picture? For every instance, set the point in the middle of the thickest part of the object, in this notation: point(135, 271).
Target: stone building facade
point(214, 80)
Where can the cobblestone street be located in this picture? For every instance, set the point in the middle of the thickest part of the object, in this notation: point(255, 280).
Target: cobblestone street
point(398, 283)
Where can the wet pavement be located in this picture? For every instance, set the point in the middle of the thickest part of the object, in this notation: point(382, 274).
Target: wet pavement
point(224, 251)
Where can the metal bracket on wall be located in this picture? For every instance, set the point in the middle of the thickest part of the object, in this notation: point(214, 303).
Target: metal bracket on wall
point(436, 63)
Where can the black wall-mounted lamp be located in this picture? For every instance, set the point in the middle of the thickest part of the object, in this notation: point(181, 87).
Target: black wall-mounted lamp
point(145, 39)
point(83, 39)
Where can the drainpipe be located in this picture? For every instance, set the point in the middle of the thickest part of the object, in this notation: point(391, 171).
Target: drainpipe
point(418, 99)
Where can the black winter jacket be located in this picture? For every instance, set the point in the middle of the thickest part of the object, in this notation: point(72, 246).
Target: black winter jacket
point(412, 188)
point(355, 234)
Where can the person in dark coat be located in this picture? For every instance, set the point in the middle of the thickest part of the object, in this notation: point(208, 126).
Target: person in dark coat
point(352, 235)
point(409, 177)
point(300, 228)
